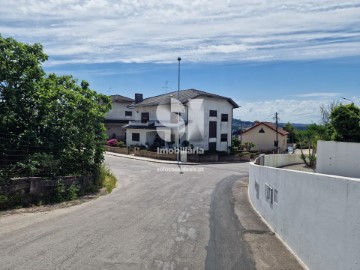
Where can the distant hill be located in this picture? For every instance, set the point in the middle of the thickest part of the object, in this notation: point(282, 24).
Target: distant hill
point(238, 124)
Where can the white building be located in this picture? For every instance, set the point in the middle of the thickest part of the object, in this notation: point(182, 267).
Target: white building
point(205, 120)
point(119, 116)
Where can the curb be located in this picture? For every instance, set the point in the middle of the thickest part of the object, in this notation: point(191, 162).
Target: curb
point(149, 159)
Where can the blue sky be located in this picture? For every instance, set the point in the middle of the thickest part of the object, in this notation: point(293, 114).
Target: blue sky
point(268, 56)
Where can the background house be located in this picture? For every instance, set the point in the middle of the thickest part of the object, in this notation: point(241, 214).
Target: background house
point(206, 120)
point(119, 116)
point(263, 135)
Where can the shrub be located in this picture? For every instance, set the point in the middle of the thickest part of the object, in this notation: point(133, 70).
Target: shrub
point(112, 142)
point(107, 179)
point(185, 143)
point(120, 144)
point(63, 193)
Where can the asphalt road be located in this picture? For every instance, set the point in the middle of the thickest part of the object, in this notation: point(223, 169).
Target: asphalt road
point(155, 219)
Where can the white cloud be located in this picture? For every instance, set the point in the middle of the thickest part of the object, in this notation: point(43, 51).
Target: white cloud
point(93, 31)
point(318, 95)
point(293, 110)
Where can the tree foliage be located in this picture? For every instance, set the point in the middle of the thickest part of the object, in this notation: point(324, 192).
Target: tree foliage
point(326, 111)
point(308, 139)
point(292, 132)
point(345, 120)
point(46, 117)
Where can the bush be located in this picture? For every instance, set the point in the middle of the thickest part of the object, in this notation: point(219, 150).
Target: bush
point(120, 144)
point(185, 143)
point(63, 193)
point(112, 142)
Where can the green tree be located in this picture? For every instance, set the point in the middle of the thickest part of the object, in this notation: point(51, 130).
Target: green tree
point(44, 117)
point(345, 120)
point(292, 132)
point(308, 139)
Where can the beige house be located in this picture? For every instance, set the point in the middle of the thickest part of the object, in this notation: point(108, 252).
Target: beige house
point(263, 135)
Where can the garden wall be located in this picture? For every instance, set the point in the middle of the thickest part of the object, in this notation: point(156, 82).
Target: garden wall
point(338, 158)
point(316, 215)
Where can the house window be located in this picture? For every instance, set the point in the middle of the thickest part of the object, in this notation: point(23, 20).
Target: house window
point(261, 130)
point(224, 117)
point(212, 129)
point(213, 113)
point(135, 137)
point(144, 117)
point(224, 137)
point(128, 113)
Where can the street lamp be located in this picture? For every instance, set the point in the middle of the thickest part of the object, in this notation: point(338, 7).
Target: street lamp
point(178, 124)
point(347, 99)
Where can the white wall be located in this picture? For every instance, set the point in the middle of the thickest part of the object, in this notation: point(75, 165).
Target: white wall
point(222, 107)
point(318, 216)
point(338, 158)
point(117, 111)
point(129, 140)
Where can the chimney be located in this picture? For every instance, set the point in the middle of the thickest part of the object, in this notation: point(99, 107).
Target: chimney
point(138, 98)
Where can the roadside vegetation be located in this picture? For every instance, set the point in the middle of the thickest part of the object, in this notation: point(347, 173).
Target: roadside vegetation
point(51, 125)
point(107, 179)
point(339, 123)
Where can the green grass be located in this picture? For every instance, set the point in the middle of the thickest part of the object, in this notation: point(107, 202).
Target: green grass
point(108, 180)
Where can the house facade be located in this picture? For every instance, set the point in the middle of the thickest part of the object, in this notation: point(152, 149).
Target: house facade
point(263, 135)
point(119, 116)
point(201, 119)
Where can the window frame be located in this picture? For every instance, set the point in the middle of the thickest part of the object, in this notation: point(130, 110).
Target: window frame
point(135, 134)
point(212, 113)
point(223, 117)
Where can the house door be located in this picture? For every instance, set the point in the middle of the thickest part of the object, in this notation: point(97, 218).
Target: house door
point(212, 146)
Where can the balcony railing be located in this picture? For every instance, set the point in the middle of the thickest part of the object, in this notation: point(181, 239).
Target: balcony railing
point(141, 123)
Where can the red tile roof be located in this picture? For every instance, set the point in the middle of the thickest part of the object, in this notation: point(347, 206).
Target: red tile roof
point(269, 125)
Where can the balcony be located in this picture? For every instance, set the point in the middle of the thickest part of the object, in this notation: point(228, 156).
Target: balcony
point(141, 123)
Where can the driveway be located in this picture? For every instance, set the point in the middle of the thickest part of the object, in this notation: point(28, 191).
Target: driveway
point(156, 218)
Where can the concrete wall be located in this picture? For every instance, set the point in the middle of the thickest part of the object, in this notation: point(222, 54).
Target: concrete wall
point(118, 109)
point(222, 107)
point(316, 215)
point(264, 141)
point(338, 158)
point(282, 160)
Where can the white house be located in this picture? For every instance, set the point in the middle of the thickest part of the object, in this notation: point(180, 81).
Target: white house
point(203, 119)
point(119, 116)
point(263, 135)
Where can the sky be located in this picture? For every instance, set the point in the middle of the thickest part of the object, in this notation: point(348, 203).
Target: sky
point(269, 56)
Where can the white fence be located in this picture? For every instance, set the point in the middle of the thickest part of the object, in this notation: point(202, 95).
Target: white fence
point(339, 158)
point(316, 215)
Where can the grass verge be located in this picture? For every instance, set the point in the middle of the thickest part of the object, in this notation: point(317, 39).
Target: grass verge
point(108, 180)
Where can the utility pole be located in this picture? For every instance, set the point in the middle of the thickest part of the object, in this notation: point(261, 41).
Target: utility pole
point(178, 131)
point(277, 134)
